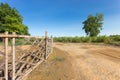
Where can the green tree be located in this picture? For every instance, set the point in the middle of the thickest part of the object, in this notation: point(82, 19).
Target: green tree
point(93, 25)
point(11, 20)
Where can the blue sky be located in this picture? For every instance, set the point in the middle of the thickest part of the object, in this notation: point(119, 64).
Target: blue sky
point(65, 17)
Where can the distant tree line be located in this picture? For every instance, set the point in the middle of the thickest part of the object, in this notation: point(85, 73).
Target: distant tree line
point(113, 39)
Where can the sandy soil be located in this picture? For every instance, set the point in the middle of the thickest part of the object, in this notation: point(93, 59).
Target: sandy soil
point(93, 62)
point(56, 67)
point(73, 61)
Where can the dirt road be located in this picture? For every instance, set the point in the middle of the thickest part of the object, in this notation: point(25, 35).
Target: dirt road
point(73, 61)
point(93, 62)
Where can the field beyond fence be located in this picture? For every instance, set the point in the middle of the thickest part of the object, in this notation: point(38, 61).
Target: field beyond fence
point(113, 39)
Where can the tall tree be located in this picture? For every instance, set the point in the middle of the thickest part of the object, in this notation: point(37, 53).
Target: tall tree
point(93, 25)
point(11, 20)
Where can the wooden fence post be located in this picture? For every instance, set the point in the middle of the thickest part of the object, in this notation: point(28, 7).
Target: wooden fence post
point(46, 36)
point(6, 56)
point(13, 57)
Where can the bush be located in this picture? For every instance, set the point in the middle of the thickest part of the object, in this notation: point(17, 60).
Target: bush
point(99, 39)
point(108, 40)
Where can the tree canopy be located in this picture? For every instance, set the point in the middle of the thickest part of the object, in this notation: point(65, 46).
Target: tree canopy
point(93, 25)
point(11, 20)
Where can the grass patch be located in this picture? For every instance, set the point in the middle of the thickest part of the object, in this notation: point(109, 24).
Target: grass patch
point(59, 58)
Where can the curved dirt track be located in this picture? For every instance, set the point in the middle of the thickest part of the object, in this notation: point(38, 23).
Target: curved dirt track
point(93, 62)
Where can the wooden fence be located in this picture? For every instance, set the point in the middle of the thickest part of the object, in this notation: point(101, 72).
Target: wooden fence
point(38, 51)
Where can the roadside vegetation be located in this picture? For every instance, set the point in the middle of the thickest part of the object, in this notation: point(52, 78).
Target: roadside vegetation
point(113, 39)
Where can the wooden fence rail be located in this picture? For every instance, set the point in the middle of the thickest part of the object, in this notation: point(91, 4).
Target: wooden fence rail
point(38, 51)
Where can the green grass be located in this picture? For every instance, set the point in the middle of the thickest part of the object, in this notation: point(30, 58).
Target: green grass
point(113, 39)
point(58, 58)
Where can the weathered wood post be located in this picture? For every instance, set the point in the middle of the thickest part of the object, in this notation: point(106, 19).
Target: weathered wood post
point(13, 57)
point(46, 36)
point(1, 75)
point(6, 56)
